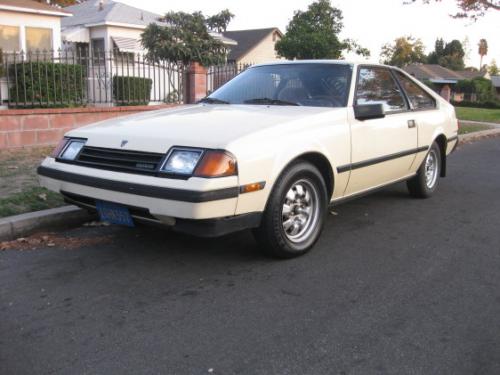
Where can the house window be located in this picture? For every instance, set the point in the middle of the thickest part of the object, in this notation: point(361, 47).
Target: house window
point(275, 37)
point(38, 39)
point(98, 55)
point(9, 38)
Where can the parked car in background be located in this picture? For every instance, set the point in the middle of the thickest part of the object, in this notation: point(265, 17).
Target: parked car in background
point(270, 150)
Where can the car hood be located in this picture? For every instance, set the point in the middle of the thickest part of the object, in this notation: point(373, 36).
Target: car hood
point(202, 125)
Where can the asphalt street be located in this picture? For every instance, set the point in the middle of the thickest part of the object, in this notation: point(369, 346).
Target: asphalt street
point(395, 286)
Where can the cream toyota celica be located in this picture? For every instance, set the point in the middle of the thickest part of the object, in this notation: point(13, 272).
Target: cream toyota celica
point(270, 150)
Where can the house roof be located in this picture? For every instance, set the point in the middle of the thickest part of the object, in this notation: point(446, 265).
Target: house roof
point(440, 74)
point(90, 13)
point(247, 39)
point(30, 6)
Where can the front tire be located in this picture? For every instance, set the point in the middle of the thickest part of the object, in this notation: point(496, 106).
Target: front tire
point(425, 183)
point(295, 212)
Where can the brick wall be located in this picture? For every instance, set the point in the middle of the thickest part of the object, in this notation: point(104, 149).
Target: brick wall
point(197, 82)
point(45, 127)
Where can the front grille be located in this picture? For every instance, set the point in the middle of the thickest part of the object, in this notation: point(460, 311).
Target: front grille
point(120, 160)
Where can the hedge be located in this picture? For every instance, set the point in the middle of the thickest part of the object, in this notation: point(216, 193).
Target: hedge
point(46, 84)
point(489, 104)
point(132, 90)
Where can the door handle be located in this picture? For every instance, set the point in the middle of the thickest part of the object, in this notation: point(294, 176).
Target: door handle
point(411, 124)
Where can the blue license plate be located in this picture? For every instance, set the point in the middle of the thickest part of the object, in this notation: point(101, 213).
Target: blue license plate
point(114, 213)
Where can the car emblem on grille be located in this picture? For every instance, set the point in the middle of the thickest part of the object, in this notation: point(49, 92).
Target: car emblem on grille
point(124, 142)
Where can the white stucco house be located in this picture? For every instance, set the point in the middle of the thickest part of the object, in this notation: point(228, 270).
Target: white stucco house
point(27, 25)
point(110, 25)
point(106, 25)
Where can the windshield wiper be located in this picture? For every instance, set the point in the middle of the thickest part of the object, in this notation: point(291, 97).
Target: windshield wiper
point(269, 101)
point(210, 100)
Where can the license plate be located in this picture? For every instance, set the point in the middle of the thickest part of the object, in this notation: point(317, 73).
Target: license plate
point(114, 213)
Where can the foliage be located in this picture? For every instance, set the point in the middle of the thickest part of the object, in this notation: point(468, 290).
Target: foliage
point(218, 22)
point(482, 50)
point(492, 69)
point(482, 87)
point(46, 84)
point(403, 51)
point(172, 97)
point(472, 9)
point(188, 38)
point(313, 34)
point(132, 90)
point(450, 55)
point(489, 104)
point(28, 200)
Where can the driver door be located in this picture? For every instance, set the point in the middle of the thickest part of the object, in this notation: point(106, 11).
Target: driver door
point(382, 149)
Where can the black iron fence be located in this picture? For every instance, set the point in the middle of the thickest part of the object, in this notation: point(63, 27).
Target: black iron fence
point(70, 78)
point(220, 74)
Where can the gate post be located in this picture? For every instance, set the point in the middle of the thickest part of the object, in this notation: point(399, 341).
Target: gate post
point(197, 82)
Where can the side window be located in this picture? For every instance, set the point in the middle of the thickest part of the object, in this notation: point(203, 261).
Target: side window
point(418, 97)
point(377, 86)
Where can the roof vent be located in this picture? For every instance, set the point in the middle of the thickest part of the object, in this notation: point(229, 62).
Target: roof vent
point(101, 5)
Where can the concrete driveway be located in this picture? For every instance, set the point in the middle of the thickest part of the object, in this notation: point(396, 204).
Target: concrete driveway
point(395, 286)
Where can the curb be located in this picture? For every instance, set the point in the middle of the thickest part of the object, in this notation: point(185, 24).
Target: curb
point(20, 225)
point(475, 136)
point(493, 124)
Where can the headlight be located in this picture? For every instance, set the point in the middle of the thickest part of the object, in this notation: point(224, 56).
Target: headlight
point(182, 161)
point(72, 149)
point(200, 163)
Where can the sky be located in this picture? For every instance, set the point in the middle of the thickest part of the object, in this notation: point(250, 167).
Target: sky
point(371, 22)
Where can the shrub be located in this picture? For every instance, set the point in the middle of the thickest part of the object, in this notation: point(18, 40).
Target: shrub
point(44, 84)
point(488, 104)
point(482, 87)
point(131, 90)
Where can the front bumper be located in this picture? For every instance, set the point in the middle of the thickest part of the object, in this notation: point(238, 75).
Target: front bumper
point(162, 198)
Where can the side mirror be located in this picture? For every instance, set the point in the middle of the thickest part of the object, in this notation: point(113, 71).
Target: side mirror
point(369, 111)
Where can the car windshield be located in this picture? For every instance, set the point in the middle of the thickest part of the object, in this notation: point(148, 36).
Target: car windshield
point(312, 85)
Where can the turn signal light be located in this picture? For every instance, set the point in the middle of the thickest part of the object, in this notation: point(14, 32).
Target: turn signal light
point(216, 164)
point(256, 186)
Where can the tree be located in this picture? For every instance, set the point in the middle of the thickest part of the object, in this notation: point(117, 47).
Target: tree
point(187, 38)
point(313, 34)
point(482, 50)
point(438, 52)
point(493, 68)
point(450, 55)
point(403, 51)
point(472, 9)
point(453, 57)
point(481, 87)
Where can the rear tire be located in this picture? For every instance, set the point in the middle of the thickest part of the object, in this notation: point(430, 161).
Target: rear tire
point(295, 212)
point(425, 182)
